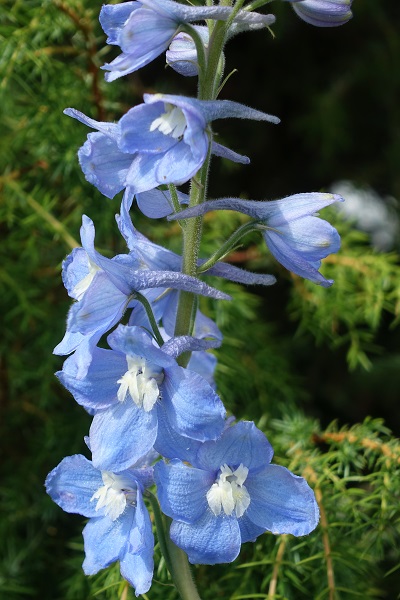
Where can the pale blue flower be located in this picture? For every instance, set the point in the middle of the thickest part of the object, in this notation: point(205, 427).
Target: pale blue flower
point(230, 495)
point(104, 288)
point(182, 54)
point(144, 29)
point(119, 526)
point(294, 235)
point(164, 140)
point(125, 386)
point(323, 13)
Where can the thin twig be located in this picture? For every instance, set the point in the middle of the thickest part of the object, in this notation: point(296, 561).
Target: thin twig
point(124, 594)
point(277, 565)
point(327, 547)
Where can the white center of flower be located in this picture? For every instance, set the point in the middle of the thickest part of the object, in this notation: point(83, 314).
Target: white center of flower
point(228, 494)
point(172, 122)
point(84, 283)
point(141, 381)
point(115, 494)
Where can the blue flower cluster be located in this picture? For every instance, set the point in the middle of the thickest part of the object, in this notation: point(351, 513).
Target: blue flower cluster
point(157, 418)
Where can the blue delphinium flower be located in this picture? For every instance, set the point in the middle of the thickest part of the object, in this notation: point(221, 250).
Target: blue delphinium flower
point(164, 140)
point(104, 289)
point(124, 387)
point(144, 29)
point(119, 526)
point(294, 235)
point(323, 13)
point(230, 495)
point(182, 54)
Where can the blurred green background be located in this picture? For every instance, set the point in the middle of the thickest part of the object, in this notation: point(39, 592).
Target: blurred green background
point(295, 358)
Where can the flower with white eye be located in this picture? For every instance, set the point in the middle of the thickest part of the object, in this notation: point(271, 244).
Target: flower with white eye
point(133, 385)
point(230, 495)
point(119, 526)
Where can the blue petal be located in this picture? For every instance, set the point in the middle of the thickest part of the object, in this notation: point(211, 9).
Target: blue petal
point(223, 152)
point(113, 17)
point(193, 408)
point(103, 164)
point(209, 541)
point(137, 569)
point(147, 33)
point(281, 502)
point(241, 443)
point(152, 255)
point(248, 531)
point(111, 130)
point(121, 435)
point(101, 307)
point(74, 268)
point(182, 55)
point(105, 541)
point(324, 13)
point(185, 343)
point(98, 389)
point(169, 443)
point(136, 135)
point(182, 161)
point(154, 204)
point(311, 237)
point(84, 347)
point(157, 203)
point(142, 530)
point(70, 341)
point(205, 327)
point(182, 490)
point(134, 341)
point(125, 64)
point(142, 173)
point(204, 364)
point(294, 261)
point(72, 484)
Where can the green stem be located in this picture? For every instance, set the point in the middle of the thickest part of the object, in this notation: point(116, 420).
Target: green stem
point(161, 535)
point(256, 4)
point(228, 245)
point(174, 198)
point(181, 573)
point(150, 316)
point(175, 559)
point(191, 245)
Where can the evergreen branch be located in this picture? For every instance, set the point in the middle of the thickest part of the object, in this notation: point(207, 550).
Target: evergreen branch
point(54, 223)
point(365, 442)
point(91, 50)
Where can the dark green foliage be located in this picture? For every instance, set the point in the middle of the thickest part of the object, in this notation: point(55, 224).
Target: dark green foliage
point(288, 349)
